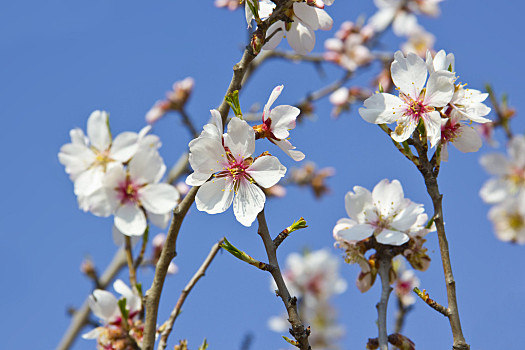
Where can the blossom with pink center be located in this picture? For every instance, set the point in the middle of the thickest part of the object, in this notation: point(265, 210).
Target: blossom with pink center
point(134, 195)
point(276, 124)
point(462, 136)
point(384, 213)
point(235, 175)
point(509, 172)
point(415, 102)
point(405, 283)
point(88, 158)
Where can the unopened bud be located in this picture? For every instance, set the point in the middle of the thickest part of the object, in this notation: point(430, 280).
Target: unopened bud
point(401, 342)
point(257, 42)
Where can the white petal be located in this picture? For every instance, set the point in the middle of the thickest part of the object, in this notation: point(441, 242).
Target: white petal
point(432, 122)
point(240, 139)
point(444, 152)
point(104, 305)
point(103, 202)
point(130, 220)
point(124, 146)
point(405, 24)
point(516, 149)
point(468, 140)
point(248, 202)
point(495, 164)
point(409, 74)
point(382, 108)
point(306, 14)
point(289, 149)
point(146, 166)
point(357, 232)
point(494, 191)
point(98, 130)
point(283, 119)
point(382, 19)
point(215, 196)
point(325, 21)
point(407, 217)
point(207, 156)
point(197, 179)
point(133, 301)
point(301, 38)
point(278, 29)
point(89, 181)
point(159, 220)
point(76, 158)
point(392, 237)
point(342, 224)
point(388, 197)
point(78, 137)
point(92, 334)
point(440, 89)
point(273, 96)
point(158, 198)
point(355, 202)
point(119, 238)
point(266, 171)
point(248, 14)
point(404, 129)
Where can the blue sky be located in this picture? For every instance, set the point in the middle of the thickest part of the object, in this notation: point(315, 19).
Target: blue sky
point(62, 59)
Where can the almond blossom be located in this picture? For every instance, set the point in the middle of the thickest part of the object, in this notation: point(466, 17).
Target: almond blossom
point(112, 335)
point(509, 172)
point(508, 219)
point(235, 175)
point(276, 124)
point(415, 102)
point(462, 136)
point(88, 158)
point(384, 213)
point(134, 195)
point(406, 281)
point(301, 32)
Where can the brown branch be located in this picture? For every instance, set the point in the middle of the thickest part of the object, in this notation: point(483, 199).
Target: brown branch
point(168, 325)
point(140, 257)
point(129, 259)
point(384, 272)
point(81, 316)
point(431, 184)
point(298, 330)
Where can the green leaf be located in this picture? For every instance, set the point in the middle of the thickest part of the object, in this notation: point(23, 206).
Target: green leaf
point(122, 307)
point(233, 101)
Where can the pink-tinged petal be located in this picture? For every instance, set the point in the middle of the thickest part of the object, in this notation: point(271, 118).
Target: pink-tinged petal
point(89, 181)
point(516, 149)
point(342, 225)
point(207, 156)
point(468, 140)
point(301, 38)
point(409, 74)
point(306, 14)
point(273, 96)
point(159, 220)
point(98, 130)
point(104, 305)
point(124, 146)
point(388, 197)
point(495, 164)
point(76, 158)
point(392, 237)
point(120, 239)
point(240, 139)
point(357, 201)
point(215, 196)
point(266, 171)
point(146, 166)
point(382, 19)
point(130, 220)
point(158, 198)
point(289, 149)
point(283, 119)
point(494, 191)
point(357, 232)
point(440, 89)
point(404, 129)
point(248, 202)
point(432, 122)
point(382, 108)
point(278, 31)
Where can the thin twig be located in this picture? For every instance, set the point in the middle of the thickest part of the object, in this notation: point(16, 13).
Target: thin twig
point(81, 316)
point(140, 257)
point(180, 168)
point(129, 259)
point(168, 325)
point(431, 302)
point(384, 272)
point(188, 123)
point(298, 330)
point(401, 314)
point(433, 190)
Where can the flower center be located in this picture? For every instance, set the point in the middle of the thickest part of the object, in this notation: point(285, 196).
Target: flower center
point(128, 191)
point(102, 158)
point(516, 221)
point(450, 131)
point(236, 170)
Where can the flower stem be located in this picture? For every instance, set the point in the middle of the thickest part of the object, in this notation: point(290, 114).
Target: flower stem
point(131, 265)
point(385, 263)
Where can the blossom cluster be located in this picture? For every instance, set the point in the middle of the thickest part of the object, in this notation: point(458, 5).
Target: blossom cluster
point(119, 176)
point(313, 278)
point(381, 217)
point(225, 168)
point(506, 190)
point(441, 105)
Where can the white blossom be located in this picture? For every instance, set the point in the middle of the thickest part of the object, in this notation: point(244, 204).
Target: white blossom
point(508, 219)
point(236, 176)
point(415, 102)
point(405, 284)
point(462, 136)
point(384, 213)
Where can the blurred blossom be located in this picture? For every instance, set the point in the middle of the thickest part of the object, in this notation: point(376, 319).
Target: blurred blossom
point(419, 42)
point(175, 100)
point(509, 172)
point(157, 244)
point(309, 176)
point(343, 97)
point(487, 133)
point(508, 219)
point(230, 4)
point(113, 334)
point(275, 191)
point(348, 47)
point(406, 281)
point(402, 14)
point(182, 188)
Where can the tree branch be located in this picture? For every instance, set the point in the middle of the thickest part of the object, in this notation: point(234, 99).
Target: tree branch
point(81, 316)
point(298, 330)
point(384, 272)
point(168, 325)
